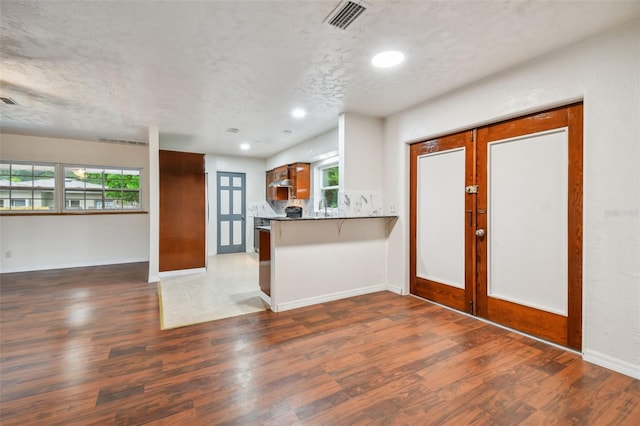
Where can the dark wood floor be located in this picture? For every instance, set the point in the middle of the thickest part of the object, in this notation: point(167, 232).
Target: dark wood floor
point(84, 346)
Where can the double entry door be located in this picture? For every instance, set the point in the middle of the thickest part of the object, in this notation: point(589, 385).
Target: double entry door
point(496, 223)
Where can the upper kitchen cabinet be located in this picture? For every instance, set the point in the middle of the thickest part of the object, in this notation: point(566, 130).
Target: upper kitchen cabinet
point(275, 192)
point(300, 176)
point(290, 181)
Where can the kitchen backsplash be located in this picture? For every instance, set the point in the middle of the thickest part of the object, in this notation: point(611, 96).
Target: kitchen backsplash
point(359, 203)
point(351, 203)
point(279, 206)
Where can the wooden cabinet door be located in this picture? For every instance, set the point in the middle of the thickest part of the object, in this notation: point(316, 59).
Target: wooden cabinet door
point(278, 193)
point(270, 190)
point(264, 257)
point(300, 175)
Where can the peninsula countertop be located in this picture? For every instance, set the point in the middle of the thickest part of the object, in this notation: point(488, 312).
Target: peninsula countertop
point(287, 219)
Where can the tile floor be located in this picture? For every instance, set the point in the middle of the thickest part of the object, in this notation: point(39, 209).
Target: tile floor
point(228, 288)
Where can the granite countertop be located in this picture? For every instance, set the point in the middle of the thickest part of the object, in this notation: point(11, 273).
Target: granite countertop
point(287, 219)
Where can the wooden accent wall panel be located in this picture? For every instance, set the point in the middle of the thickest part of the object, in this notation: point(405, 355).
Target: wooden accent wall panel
point(182, 211)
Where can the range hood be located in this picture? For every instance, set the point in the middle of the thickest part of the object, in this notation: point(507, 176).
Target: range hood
point(280, 183)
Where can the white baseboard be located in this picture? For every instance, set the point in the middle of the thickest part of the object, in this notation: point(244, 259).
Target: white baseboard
point(395, 289)
point(180, 272)
point(71, 265)
point(265, 298)
point(612, 363)
point(329, 297)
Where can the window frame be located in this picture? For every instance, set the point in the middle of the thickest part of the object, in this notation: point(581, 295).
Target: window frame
point(59, 200)
point(102, 200)
point(30, 201)
point(318, 169)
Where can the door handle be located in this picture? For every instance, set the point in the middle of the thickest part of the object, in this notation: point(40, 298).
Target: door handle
point(480, 233)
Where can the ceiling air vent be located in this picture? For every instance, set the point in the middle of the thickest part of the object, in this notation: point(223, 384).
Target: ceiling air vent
point(8, 101)
point(123, 141)
point(345, 13)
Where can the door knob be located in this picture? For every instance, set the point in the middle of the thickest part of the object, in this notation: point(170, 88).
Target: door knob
point(480, 232)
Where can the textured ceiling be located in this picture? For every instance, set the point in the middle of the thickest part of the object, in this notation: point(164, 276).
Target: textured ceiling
point(110, 69)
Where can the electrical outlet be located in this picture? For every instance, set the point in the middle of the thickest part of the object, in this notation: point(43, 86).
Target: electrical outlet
point(393, 208)
point(7, 254)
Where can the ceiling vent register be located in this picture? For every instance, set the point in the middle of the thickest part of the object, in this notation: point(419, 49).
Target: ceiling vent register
point(8, 101)
point(345, 13)
point(123, 141)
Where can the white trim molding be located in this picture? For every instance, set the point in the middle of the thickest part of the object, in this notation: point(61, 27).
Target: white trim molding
point(180, 272)
point(329, 297)
point(72, 265)
point(612, 363)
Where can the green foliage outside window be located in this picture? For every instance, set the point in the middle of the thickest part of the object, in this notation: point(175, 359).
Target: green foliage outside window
point(101, 189)
point(27, 187)
point(119, 182)
point(330, 182)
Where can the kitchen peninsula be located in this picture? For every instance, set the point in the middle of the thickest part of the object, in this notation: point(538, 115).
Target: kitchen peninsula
point(310, 260)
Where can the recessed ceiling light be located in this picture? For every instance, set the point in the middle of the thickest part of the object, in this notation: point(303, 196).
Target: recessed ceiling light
point(298, 113)
point(245, 146)
point(389, 58)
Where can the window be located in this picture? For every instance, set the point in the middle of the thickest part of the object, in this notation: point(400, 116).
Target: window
point(326, 183)
point(101, 188)
point(27, 186)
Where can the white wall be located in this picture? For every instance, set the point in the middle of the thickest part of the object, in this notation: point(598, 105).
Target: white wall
point(154, 204)
point(315, 149)
point(605, 72)
point(361, 141)
point(360, 147)
point(314, 261)
point(255, 190)
point(62, 241)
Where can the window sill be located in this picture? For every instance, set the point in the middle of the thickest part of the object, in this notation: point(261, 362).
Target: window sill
point(6, 214)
